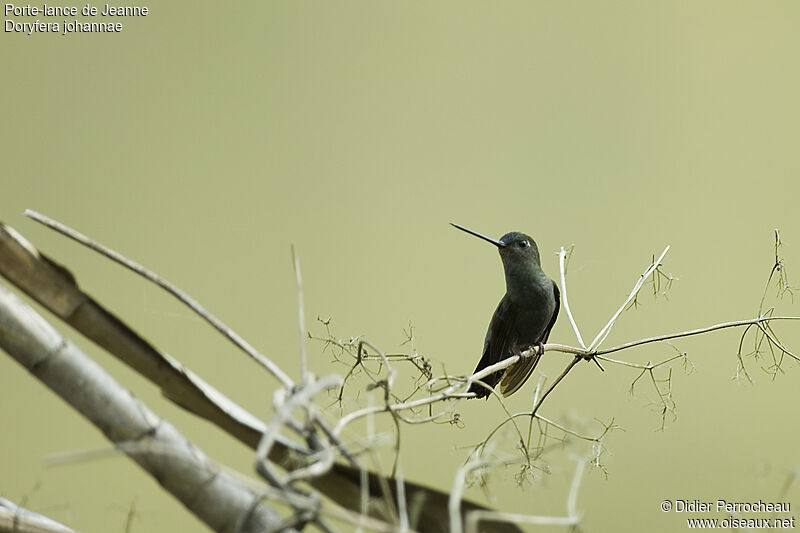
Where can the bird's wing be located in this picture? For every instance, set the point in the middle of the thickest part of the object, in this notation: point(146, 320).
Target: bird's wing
point(518, 373)
point(557, 296)
point(496, 346)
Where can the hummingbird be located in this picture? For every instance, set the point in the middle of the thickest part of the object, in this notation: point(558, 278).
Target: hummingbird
point(523, 318)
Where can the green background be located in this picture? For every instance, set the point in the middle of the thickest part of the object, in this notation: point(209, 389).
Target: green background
point(206, 137)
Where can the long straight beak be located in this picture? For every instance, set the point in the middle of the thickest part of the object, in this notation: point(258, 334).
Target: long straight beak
point(484, 237)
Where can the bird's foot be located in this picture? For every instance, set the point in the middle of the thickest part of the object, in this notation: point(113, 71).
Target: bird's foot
point(539, 348)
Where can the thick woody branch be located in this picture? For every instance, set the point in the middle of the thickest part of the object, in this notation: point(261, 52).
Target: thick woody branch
point(16, 519)
point(213, 496)
point(55, 288)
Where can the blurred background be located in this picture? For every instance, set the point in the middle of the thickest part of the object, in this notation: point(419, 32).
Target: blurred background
point(206, 138)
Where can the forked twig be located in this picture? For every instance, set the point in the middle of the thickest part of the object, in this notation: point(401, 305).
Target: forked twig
point(603, 333)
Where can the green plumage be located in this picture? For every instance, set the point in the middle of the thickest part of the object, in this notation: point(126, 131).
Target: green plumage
point(523, 318)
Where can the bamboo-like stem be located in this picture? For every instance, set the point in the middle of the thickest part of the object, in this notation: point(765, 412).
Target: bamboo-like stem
point(209, 493)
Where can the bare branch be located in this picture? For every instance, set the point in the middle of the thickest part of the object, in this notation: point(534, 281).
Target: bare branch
point(783, 280)
point(603, 333)
point(555, 383)
point(16, 519)
point(55, 287)
point(689, 333)
point(300, 398)
point(301, 318)
point(184, 298)
point(572, 519)
point(562, 263)
point(213, 496)
point(431, 399)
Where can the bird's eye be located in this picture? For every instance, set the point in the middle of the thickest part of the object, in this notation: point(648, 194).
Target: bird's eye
point(523, 244)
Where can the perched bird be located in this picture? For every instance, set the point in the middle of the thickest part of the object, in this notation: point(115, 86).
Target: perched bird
point(524, 317)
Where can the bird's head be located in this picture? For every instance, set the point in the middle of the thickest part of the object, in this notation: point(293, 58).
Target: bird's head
point(515, 248)
point(518, 247)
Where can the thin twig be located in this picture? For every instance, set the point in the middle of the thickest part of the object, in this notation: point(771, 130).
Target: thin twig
point(572, 498)
point(300, 398)
point(183, 297)
point(449, 393)
point(402, 504)
point(603, 333)
point(562, 263)
point(573, 518)
point(301, 318)
point(553, 385)
point(698, 331)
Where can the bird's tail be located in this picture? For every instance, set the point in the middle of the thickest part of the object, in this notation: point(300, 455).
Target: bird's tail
point(517, 374)
point(492, 380)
